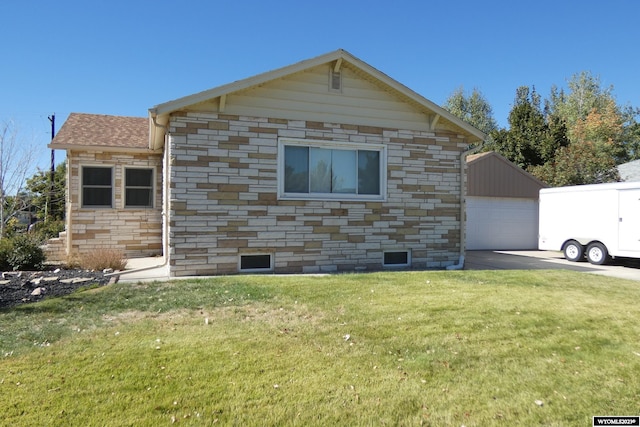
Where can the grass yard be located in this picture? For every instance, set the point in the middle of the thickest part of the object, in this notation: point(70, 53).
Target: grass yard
point(473, 348)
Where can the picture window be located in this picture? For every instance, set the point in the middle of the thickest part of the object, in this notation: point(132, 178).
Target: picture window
point(339, 171)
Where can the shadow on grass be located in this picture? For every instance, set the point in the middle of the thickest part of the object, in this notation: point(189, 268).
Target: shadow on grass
point(151, 297)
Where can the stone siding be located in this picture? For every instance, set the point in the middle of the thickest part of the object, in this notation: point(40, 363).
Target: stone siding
point(135, 231)
point(223, 199)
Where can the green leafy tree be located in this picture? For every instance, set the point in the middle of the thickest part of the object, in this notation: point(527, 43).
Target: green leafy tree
point(593, 115)
point(585, 96)
point(631, 134)
point(48, 201)
point(473, 109)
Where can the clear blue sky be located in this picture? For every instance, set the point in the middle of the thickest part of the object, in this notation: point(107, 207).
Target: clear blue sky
point(122, 57)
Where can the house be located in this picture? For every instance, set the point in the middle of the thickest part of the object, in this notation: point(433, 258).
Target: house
point(629, 171)
point(321, 166)
point(502, 204)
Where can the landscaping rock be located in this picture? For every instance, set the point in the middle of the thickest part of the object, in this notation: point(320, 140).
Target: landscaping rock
point(20, 287)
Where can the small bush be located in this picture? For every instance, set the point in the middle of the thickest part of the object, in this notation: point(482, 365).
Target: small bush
point(21, 252)
point(6, 249)
point(100, 259)
point(47, 230)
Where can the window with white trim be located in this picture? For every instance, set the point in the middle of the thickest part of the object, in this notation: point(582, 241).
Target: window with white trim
point(396, 259)
point(97, 187)
point(331, 170)
point(138, 188)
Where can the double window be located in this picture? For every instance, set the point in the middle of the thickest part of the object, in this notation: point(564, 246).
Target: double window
point(98, 183)
point(322, 170)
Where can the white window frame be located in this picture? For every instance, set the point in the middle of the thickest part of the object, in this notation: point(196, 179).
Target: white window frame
point(153, 187)
point(82, 186)
point(381, 148)
point(407, 264)
point(256, 270)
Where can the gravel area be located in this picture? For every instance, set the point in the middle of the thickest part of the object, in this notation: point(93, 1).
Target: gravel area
point(21, 287)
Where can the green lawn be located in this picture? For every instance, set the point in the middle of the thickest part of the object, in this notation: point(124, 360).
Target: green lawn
point(471, 348)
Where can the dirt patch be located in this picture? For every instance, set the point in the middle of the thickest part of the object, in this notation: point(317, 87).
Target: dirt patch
point(22, 287)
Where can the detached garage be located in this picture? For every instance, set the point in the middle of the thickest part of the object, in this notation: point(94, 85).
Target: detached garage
point(502, 204)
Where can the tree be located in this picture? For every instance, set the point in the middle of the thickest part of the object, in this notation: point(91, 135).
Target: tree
point(528, 141)
point(577, 164)
point(16, 160)
point(473, 109)
point(585, 95)
point(42, 192)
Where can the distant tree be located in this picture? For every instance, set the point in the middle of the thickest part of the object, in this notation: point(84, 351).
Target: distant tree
point(585, 96)
point(41, 192)
point(631, 134)
point(577, 164)
point(528, 134)
point(473, 109)
point(592, 114)
point(16, 161)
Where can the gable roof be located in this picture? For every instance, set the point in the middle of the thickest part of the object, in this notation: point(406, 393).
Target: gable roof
point(159, 114)
point(492, 175)
point(91, 131)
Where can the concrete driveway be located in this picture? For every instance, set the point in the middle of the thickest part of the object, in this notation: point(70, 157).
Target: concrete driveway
point(544, 260)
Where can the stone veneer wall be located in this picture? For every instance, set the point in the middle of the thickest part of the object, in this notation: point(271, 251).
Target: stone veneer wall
point(224, 202)
point(137, 232)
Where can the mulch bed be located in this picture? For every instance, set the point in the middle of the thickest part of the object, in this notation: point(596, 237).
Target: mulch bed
point(21, 287)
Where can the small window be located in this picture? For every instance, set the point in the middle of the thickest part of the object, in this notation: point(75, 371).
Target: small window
point(336, 81)
point(256, 262)
point(138, 185)
point(97, 187)
point(396, 259)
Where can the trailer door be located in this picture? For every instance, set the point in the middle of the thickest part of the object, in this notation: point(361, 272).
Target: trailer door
point(629, 220)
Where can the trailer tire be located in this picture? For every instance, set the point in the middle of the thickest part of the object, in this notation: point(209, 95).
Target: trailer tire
point(573, 251)
point(597, 253)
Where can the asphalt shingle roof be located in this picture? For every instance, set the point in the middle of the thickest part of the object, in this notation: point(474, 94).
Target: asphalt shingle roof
point(103, 131)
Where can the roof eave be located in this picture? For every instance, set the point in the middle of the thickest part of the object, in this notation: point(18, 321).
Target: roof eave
point(103, 148)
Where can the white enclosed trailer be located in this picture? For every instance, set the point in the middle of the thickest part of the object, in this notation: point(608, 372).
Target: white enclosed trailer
point(598, 221)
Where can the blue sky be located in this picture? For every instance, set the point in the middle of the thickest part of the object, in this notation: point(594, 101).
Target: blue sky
point(124, 56)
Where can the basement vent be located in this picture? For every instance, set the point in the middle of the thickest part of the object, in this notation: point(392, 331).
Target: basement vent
point(335, 81)
point(256, 262)
point(396, 259)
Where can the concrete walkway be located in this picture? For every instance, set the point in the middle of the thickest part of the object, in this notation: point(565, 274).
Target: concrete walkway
point(145, 270)
point(154, 269)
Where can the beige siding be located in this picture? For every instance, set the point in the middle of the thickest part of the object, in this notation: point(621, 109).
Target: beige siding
point(306, 96)
point(224, 203)
point(137, 232)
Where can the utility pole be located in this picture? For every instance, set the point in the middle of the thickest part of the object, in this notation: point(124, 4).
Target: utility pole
point(48, 205)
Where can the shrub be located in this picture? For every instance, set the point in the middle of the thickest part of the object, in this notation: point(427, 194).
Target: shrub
point(21, 252)
point(100, 259)
point(47, 230)
point(6, 248)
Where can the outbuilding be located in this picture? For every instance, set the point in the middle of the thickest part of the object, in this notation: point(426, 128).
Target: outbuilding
point(501, 204)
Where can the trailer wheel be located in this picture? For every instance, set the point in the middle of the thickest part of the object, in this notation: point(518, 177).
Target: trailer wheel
point(597, 253)
point(573, 251)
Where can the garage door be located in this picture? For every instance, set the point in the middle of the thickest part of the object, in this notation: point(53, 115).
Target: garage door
point(495, 223)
